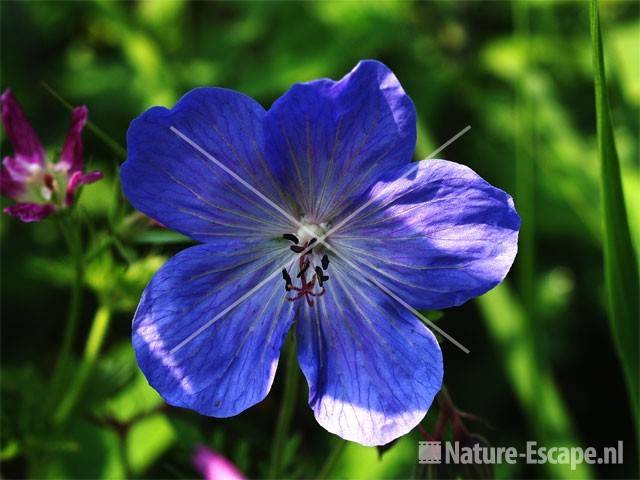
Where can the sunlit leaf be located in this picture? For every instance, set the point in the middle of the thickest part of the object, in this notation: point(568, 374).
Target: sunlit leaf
point(147, 440)
point(134, 400)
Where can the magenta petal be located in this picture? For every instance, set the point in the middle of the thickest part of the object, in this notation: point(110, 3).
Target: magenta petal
point(10, 187)
point(30, 212)
point(71, 157)
point(77, 179)
point(19, 167)
point(80, 178)
point(20, 132)
point(92, 177)
point(214, 466)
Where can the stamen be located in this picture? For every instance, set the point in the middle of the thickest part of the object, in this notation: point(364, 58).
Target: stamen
point(303, 269)
point(321, 278)
point(291, 237)
point(308, 288)
point(287, 279)
point(285, 275)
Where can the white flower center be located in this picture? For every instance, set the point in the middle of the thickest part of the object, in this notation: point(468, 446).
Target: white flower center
point(307, 278)
point(309, 231)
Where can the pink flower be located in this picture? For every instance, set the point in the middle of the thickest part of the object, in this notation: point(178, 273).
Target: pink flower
point(38, 186)
point(214, 466)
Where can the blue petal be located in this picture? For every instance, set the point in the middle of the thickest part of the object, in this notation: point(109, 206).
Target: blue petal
point(437, 238)
point(329, 140)
point(168, 179)
point(373, 369)
point(194, 355)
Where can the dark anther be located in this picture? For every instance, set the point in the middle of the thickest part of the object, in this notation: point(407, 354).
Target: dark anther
point(291, 237)
point(321, 278)
point(308, 245)
point(285, 275)
point(287, 279)
point(325, 262)
point(297, 248)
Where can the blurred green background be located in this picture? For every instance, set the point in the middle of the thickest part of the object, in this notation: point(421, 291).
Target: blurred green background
point(542, 366)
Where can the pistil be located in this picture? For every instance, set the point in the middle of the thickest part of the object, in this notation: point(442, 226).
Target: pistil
point(307, 288)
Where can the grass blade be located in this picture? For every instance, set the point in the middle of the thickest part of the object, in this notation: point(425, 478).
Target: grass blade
point(620, 262)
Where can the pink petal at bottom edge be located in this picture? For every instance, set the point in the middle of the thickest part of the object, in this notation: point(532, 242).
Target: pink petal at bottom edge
point(214, 466)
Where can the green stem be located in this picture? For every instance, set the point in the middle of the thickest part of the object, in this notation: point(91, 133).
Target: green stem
point(71, 230)
point(92, 349)
point(286, 410)
point(332, 459)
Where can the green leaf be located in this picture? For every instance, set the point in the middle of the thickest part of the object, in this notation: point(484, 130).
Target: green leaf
point(9, 451)
point(625, 39)
point(22, 389)
point(115, 371)
point(358, 462)
point(134, 400)
point(118, 391)
point(620, 262)
point(434, 315)
point(118, 286)
point(147, 440)
point(91, 452)
point(160, 237)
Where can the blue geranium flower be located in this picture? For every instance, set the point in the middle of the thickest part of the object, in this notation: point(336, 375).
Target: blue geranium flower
point(260, 189)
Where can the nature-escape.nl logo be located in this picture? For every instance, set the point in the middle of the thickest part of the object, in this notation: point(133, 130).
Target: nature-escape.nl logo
point(455, 453)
